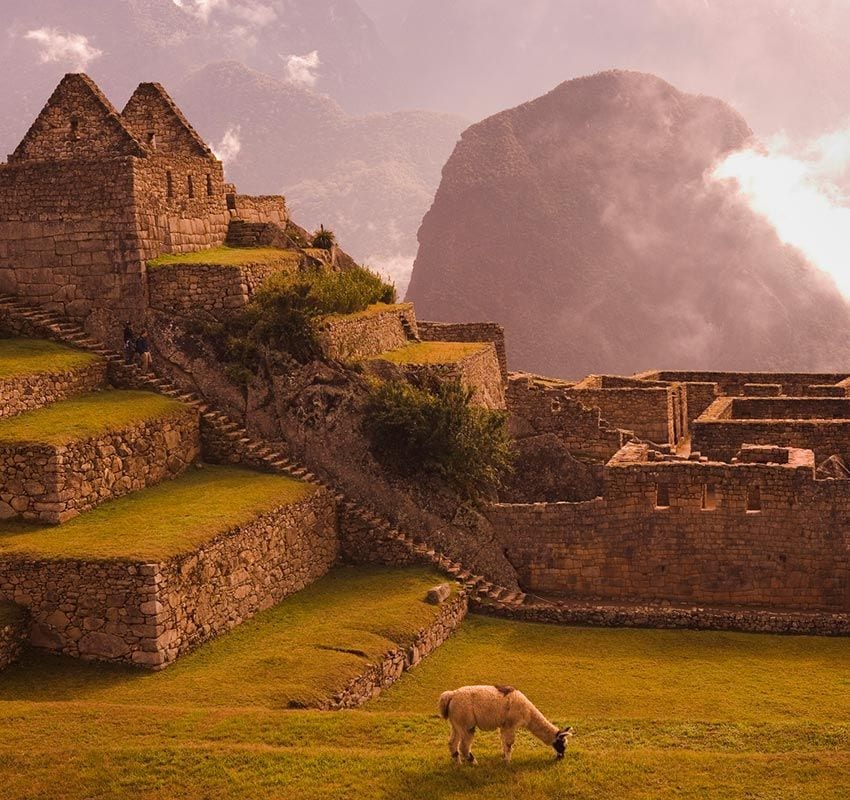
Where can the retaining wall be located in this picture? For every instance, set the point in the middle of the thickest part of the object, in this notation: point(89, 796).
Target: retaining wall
point(212, 288)
point(478, 371)
point(468, 332)
point(368, 334)
point(13, 635)
point(53, 483)
point(21, 393)
point(674, 616)
point(148, 614)
point(397, 661)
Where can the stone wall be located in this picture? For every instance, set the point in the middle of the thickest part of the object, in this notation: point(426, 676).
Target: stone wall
point(210, 288)
point(14, 626)
point(478, 371)
point(667, 615)
point(720, 432)
point(395, 662)
point(53, 483)
point(246, 571)
point(179, 202)
point(148, 614)
point(650, 412)
point(256, 234)
point(259, 208)
point(369, 333)
point(537, 407)
point(361, 544)
point(68, 237)
point(20, 393)
point(468, 332)
point(690, 531)
point(794, 384)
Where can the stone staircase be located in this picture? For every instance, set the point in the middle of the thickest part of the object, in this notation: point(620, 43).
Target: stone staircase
point(243, 448)
point(409, 332)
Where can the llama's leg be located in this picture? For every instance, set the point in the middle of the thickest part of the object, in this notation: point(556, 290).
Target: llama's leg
point(508, 736)
point(454, 743)
point(465, 745)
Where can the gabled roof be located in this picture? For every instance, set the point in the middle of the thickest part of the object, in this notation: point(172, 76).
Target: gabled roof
point(97, 130)
point(151, 110)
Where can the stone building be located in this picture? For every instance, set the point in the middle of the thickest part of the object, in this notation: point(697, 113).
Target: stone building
point(90, 194)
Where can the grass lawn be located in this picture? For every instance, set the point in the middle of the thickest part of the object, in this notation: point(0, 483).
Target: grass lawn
point(371, 311)
point(230, 257)
point(431, 352)
point(658, 714)
point(175, 516)
point(31, 356)
point(86, 416)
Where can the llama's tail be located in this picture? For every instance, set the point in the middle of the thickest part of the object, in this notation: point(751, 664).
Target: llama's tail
point(445, 699)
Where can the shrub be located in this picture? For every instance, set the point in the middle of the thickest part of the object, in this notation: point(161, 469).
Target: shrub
point(435, 429)
point(282, 314)
point(324, 238)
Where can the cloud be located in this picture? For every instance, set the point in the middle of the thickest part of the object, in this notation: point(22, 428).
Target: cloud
point(70, 48)
point(254, 13)
point(250, 11)
point(228, 148)
point(200, 8)
point(798, 190)
point(303, 70)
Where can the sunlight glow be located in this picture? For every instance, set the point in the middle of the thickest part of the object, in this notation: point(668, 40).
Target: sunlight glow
point(797, 191)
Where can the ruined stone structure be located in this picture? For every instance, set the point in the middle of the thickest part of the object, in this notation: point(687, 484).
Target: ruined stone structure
point(89, 195)
point(725, 490)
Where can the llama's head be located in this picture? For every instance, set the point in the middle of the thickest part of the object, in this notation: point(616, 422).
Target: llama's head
point(562, 737)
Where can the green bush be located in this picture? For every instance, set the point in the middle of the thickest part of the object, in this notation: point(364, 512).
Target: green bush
point(435, 429)
point(281, 317)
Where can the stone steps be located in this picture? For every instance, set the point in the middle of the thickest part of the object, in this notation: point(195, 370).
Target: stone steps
point(57, 327)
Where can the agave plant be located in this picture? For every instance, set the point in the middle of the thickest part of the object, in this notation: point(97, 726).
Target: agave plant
point(324, 238)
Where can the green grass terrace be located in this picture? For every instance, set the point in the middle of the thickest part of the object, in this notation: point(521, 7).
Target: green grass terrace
point(373, 310)
point(432, 352)
point(658, 714)
point(225, 256)
point(86, 416)
point(20, 356)
point(171, 518)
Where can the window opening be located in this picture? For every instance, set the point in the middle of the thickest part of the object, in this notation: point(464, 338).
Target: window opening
point(754, 498)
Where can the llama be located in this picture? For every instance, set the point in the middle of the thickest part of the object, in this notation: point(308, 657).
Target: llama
point(491, 707)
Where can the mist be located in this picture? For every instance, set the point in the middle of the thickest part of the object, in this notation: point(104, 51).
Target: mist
point(799, 187)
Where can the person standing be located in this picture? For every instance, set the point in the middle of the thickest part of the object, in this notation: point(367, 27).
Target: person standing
point(129, 344)
point(144, 351)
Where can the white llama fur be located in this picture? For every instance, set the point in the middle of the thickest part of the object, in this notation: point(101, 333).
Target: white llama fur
point(491, 707)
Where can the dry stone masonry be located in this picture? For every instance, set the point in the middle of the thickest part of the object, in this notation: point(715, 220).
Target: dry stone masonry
point(55, 482)
point(376, 677)
point(148, 614)
point(19, 393)
point(370, 333)
point(721, 498)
